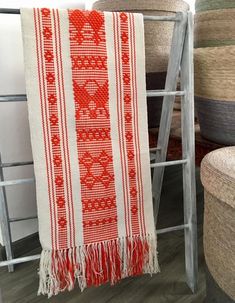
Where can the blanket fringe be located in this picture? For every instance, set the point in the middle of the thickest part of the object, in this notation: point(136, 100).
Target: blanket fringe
point(97, 263)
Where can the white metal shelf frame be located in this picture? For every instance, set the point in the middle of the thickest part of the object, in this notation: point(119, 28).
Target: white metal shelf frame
point(180, 61)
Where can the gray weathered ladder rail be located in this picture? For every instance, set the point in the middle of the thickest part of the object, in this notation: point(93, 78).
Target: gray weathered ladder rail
point(180, 61)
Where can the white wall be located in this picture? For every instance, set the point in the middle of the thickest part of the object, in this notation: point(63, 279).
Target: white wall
point(192, 4)
point(14, 128)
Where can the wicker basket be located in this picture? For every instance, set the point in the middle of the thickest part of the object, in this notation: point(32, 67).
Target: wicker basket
point(215, 28)
point(215, 73)
point(158, 35)
point(214, 294)
point(206, 5)
point(218, 179)
point(217, 120)
point(215, 93)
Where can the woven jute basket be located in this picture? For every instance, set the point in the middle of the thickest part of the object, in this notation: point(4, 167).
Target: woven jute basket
point(218, 179)
point(215, 73)
point(216, 119)
point(214, 28)
point(214, 294)
point(206, 5)
point(158, 35)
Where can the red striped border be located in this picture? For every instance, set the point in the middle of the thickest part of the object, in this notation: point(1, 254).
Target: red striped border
point(62, 221)
point(46, 22)
point(64, 126)
point(45, 129)
point(121, 130)
point(137, 139)
point(129, 89)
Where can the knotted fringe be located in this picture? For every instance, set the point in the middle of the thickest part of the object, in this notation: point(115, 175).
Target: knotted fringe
point(97, 263)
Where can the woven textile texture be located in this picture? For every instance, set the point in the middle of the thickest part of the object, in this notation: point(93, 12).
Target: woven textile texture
point(206, 5)
point(85, 78)
point(215, 73)
point(214, 28)
point(218, 179)
point(216, 120)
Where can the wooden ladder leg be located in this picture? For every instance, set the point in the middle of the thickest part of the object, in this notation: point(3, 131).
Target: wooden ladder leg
point(188, 145)
point(4, 221)
point(168, 105)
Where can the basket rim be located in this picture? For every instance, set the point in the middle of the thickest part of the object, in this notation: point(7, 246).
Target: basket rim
point(216, 172)
point(147, 5)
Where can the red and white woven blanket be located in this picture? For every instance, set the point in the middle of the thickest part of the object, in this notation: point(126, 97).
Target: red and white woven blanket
point(85, 78)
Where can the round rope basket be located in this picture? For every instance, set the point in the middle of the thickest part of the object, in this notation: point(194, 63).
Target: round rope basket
point(158, 35)
point(206, 5)
point(215, 73)
point(214, 28)
point(217, 120)
point(214, 294)
point(218, 179)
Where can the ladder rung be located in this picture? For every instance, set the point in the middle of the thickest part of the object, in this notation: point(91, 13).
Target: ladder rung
point(19, 260)
point(12, 11)
point(17, 182)
point(162, 93)
point(162, 18)
point(170, 229)
point(22, 219)
point(153, 149)
point(13, 98)
point(14, 164)
point(150, 93)
point(36, 257)
point(31, 180)
point(168, 163)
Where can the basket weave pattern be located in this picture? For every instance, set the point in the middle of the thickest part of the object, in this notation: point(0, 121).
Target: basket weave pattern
point(215, 28)
point(219, 246)
point(215, 69)
point(215, 73)
point(206, 5)
point(218, 179)
point(214, 125)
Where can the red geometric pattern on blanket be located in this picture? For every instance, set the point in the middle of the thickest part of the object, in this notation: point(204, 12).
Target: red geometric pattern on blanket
point(91, 97)
point(89, 62)
point(94, 104)
point(98, 204)
point(50, 115)
point(93, 134)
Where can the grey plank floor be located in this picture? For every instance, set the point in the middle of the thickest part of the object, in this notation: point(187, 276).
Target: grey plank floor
point(168, 286)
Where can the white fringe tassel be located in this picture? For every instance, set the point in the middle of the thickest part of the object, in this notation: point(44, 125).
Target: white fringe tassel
point(96, 263)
